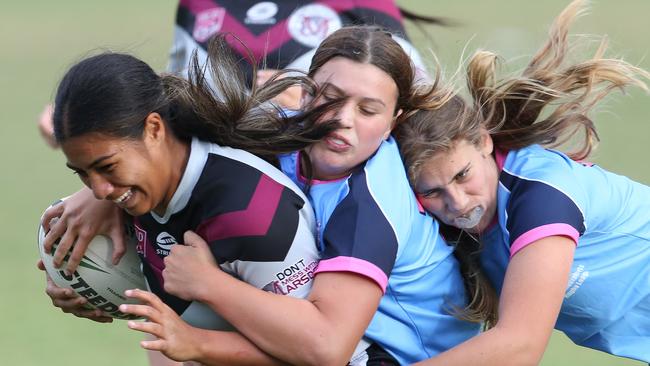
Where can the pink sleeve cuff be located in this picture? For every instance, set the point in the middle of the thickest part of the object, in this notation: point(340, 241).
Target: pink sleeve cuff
point(541, 232)
point(355, 265)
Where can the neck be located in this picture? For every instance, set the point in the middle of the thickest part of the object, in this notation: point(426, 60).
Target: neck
point(179, 154)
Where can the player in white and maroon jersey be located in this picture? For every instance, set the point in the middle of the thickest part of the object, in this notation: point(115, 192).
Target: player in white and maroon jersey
point(281, 34)
point(259, 224)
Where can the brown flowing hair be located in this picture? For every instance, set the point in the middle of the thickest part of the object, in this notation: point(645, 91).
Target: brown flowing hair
point(548, 104)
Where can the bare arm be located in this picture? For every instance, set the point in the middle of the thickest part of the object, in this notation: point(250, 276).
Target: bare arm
point(181, 342)
point(323, 329)
point(533, 291)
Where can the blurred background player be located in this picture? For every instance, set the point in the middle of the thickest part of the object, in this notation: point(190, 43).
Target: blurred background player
point(279, 34)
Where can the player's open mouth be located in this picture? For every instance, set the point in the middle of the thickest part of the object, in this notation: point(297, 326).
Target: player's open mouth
point(124, 197)
point(470, 219)
point(337, 143)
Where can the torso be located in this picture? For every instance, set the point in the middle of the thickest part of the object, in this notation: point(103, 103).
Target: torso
point(544, 193)
point(259, 225)
point(370, 223)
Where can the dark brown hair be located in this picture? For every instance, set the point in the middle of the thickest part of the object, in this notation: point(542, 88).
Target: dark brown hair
point(112, 93)
point(373, 45)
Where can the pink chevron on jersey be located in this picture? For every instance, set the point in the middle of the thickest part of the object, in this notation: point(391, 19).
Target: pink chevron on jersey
point(211, 17)
point(254, 220)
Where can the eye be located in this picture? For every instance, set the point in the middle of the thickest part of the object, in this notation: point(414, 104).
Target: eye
point(433, 193)
point(463, 174)
point(106, 168)
point(327, 97)
point(367, 112)
point(82, 174)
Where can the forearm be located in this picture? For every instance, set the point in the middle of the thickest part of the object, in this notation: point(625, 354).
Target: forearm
point(532, 294)
point(496, 347)
point(219, 348)
point(319, 331)
point(289, 328)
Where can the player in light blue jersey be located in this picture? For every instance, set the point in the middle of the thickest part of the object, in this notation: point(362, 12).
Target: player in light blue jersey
point(567, 244)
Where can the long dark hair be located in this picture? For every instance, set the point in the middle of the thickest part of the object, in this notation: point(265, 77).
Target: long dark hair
point(113, 93)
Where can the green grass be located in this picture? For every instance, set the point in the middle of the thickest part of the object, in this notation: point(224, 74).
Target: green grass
point(41, 39)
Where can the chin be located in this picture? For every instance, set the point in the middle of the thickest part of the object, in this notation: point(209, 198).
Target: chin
point(136, 211)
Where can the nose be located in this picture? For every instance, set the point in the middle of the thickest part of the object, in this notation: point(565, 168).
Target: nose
point(100, 186)
point(456, 200)
point(346, 115)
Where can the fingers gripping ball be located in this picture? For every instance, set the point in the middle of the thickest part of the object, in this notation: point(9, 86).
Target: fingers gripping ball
point(96, 278)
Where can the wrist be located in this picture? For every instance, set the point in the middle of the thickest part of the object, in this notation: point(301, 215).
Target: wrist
point(212, 286)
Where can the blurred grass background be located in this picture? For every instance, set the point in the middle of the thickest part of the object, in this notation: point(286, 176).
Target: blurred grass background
point(40, 40)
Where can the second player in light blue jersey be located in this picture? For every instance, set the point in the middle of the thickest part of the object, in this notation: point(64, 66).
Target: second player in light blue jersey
point(566, 243)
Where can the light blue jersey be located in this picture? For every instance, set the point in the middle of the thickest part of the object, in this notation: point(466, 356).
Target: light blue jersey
point(544, 193)
point(370, 223)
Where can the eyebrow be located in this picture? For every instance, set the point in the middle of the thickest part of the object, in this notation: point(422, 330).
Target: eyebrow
point(450, 182)
point(460, 171)
point(338, 90)
point(93, 164)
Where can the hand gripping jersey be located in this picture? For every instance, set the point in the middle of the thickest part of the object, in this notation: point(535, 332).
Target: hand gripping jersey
point(544, 193)
point(258, 224)
point(281, 34)
point(370, 223)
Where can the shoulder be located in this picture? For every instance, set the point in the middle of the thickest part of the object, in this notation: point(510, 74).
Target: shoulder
point(239, 165)
point(384, 178)
point(235, 182)
point(541, 196)
point(246, 204)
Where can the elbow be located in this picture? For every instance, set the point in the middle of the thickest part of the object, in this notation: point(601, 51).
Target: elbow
point(521, 359)
point(524, 353)
point(519, 348)
point(322, 351)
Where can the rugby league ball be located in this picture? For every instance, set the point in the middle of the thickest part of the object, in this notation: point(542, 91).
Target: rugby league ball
point(96, 278)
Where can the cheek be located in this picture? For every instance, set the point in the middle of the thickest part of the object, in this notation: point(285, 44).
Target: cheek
point(375, 130)
point(432, 205)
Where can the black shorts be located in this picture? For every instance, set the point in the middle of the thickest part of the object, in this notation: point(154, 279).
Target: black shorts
point(374, 355)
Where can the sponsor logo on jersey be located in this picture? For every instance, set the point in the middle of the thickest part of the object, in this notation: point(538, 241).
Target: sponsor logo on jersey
point(141, 238)
point(164, 242)
point(310, 24)
point(262, 13)
point(292, 278)
point(578, 277)
point(207, 23)
point(319, 238)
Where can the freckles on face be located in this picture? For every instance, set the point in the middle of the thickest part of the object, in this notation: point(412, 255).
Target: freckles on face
point(366, 117)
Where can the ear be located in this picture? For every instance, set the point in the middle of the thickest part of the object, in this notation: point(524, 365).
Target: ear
point(393, 123)
point(305, 98)
point(155, 129)
point(487, 145)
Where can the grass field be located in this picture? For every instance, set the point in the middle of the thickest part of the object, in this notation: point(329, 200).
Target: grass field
point(41, 39)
